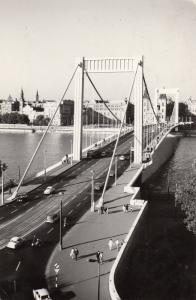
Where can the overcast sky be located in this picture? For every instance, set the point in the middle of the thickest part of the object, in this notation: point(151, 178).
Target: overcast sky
point(40, 40)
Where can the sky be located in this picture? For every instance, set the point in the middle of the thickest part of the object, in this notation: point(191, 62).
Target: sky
point(41, 39)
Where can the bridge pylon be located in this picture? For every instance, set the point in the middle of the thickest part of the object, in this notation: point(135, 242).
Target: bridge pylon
point(109, 65)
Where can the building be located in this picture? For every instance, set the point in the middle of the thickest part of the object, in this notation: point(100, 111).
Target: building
point(49, 108)
point(9, 105)
point(191, 106)
point(117, 108)
point(148, 114)
point(66, 112)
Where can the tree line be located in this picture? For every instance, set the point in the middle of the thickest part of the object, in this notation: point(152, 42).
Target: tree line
point(16, 118)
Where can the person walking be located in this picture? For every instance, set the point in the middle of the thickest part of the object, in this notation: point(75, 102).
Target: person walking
point(98, 256)
point(126, 207)
point(76, 251)
point(110, 244)
point(101, 257)
point(72, 253)
point(117, 244)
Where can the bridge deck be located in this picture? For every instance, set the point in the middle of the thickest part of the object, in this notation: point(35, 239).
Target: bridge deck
point(90, 234)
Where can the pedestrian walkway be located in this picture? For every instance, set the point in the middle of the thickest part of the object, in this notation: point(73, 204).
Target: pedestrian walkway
point(80, 279)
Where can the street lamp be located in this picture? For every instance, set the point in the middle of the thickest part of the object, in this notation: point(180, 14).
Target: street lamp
point(60, 224)
point(92, 192)
point(3, 167)
point(115, 170)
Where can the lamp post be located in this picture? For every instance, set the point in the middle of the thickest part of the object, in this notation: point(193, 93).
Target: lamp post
point(3, 167)
point(115, 169)
point(98, 287)
point(92, 192)
point(44, 154)
point(60, 224)
point(71, 153)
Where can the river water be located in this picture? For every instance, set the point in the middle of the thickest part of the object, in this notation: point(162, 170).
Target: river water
point(163, 263)
point(16, 149)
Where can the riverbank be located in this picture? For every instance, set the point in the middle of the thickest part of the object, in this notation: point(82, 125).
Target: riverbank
point(56, 129)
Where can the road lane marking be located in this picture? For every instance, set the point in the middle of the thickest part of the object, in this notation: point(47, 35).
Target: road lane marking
point(18, 265)
point(69, 213)
point(13, 211)
point(78, 204)
point(1, 218)
point(49, 231)
point(30, 209)
point(25, 204)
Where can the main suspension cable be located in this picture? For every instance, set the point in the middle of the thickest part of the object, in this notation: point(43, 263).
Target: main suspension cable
point(42, 138)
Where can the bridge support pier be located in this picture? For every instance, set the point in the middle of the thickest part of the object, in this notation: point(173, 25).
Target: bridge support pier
point(78, 106)
point(138, 114)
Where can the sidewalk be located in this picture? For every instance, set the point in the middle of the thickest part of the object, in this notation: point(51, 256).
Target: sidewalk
point(79, 279)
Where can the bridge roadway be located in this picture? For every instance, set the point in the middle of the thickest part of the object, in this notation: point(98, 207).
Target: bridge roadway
point(26, 219)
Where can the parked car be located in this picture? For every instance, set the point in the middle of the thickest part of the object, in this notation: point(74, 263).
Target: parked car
point(122, 157)
point(52, 218)
point(99, 186)
point(49, 190)
point(41, 294)
point(22, 197)
point(15, 242)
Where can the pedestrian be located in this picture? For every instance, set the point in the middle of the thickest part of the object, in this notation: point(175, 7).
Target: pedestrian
point(65, 222)
point(101, 257)
point(72, 253)
point(98, 256)
point(67, 158)
point(123, 208)
point(127, 207)
point(76, 251)
point(110, 244)
point(117, 244)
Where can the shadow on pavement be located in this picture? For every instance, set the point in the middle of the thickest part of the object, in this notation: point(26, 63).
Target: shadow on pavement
point(92, 241)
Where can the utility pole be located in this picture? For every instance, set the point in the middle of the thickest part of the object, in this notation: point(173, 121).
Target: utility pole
point(115, 168)
point(60, 229)
point(92, 192)
point(98, 289)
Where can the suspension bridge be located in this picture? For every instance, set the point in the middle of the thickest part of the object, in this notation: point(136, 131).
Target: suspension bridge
point(150, 121)
point(74, 186)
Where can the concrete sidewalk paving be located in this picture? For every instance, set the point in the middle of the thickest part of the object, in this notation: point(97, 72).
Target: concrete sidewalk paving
point(79, 279)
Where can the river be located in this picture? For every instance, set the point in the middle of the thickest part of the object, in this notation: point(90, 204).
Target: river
point(16, 149)
point(163, 263)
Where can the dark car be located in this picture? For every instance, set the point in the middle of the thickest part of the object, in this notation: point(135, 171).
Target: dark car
point(99, 186)
point(22, 198)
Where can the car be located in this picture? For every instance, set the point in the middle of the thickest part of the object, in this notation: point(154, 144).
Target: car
point(15, 242)
point(112, 173)
point(41, 294)
point(52, 218)
point(122, 157)
point(99, 186)
point(22, 198)
point(49, 190)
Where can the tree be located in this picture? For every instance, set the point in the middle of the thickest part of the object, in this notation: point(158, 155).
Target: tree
point(41, 121)
point(185, 197)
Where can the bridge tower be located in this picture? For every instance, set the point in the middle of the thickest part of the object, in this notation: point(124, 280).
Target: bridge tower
point(173, 92)
point(109, 65)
